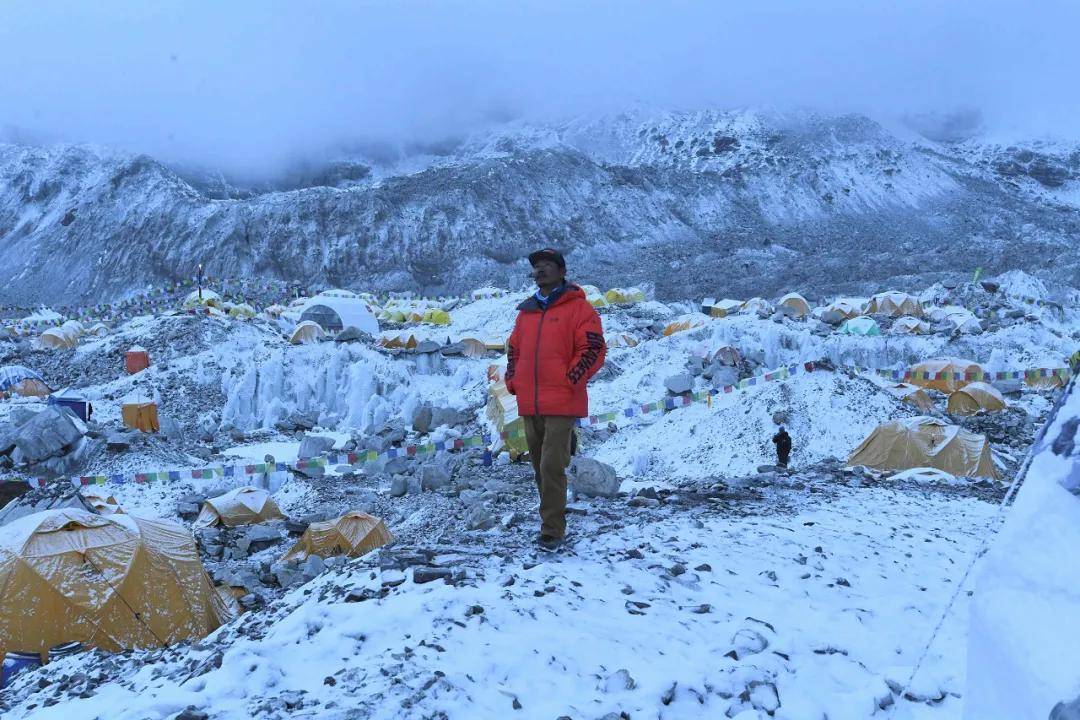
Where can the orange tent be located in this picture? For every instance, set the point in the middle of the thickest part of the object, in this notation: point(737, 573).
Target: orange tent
point(141, 416)
point(136, 360)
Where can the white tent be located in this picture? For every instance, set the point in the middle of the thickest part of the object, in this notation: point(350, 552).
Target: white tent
point(335, 312)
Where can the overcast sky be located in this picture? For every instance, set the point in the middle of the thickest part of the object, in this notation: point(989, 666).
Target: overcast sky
point(250, 85)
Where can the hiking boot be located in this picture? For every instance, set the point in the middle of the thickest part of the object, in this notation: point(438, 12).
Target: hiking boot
point(550, 543)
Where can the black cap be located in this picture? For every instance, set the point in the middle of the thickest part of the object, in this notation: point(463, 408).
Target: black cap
point(547, 254)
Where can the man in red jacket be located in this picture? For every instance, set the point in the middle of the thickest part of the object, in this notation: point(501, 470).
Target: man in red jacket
point(556, 346)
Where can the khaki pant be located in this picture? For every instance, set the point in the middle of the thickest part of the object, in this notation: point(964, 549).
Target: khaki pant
point(548, 438)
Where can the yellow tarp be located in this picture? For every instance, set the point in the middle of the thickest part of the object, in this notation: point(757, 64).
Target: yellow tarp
point(974, 397)
point(242, 506)
point(141, 416)
point(926, 442)
point(114, 583)
point(352, 535)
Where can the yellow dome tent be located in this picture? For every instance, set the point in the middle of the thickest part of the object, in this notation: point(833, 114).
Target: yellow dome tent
point(926, 442)
point(619, 340)
point(243, 506)
point(720, 308)
point(306, 332)
point(758, 306)
point(242, 311)
point(352, 535)
point(402, 340)
point(19, 380)
point(908, 325)
point(594, 296)
point(912, 395)
point(436, 317)
point(680, 326)
point(100, 499)
point(842, 309)
point(473, 348)
point(894, 303)
point(725, 355)
point(795, 305)
point(946, 375)
point(975, 397)
point(624, 296)
point(58, 338)
point(114, 583)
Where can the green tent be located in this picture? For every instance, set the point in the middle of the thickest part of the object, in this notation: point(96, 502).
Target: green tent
point(860, 326)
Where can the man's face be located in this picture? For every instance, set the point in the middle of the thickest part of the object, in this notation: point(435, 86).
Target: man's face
point(547, 273)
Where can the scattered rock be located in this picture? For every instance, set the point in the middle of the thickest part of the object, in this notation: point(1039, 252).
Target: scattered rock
point(619, 681)
point(422, 575)
point(399, 486)
point(748, 642)
point(478, 518)
point(433, 477)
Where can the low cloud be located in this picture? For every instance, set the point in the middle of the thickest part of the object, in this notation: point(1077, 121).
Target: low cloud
point(252, 86)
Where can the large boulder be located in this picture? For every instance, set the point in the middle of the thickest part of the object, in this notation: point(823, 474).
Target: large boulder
point(448, 416)
point(679, 384)
point(314, 445)
point(433, 477)
point(8, 434)
point(421, 419)
point(724, 375)
point(592, 478)
point(48, 434)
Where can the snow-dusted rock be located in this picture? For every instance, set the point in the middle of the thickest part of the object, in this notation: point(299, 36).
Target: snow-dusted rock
point(592, 478)
point(47, 434)
point(314, 445)
point(679, 384)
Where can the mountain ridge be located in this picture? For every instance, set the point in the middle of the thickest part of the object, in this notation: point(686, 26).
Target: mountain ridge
point(707, 203)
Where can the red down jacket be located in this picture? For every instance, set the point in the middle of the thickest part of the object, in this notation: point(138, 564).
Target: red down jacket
point(552, 354)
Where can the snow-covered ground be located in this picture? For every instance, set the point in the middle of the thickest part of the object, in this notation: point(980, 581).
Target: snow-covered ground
point(825, 598)
point(741, 594)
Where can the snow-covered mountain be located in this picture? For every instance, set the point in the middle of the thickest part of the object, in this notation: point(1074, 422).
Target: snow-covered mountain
point(731, 203)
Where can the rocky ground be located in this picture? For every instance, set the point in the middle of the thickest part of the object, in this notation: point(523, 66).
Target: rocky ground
point(772, 595)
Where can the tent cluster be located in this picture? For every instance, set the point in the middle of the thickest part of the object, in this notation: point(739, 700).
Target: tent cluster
point(22, 381)
point(927, 442)
point(614, 296)
point(64, 337)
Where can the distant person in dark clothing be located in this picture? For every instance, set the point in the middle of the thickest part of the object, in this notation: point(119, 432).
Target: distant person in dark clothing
point(783, 447)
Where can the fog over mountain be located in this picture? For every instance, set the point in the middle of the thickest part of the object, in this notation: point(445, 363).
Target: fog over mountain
point(430, 145)
point(249, 87)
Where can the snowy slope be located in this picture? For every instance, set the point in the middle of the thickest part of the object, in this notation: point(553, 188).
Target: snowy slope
point(1022, 655)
